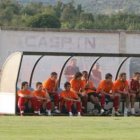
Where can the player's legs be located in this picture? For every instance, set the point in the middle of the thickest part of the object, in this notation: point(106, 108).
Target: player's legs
point(62, 103)
point(55, 98)
point(102, 100)
point(84, 100)
point(104, 97)
point(48, 108)
point(36, 105)
point(116, 104)
point(21, 104)
point(126, 98)
point(56, 102)
point(78, 106)
point(132, 100)
point(94, 98)
point(69, 107)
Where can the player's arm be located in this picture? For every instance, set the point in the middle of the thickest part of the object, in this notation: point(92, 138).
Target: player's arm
point(20, 94)
point(103, 92)
point(40, 98)
point(121, 92)
point(101, 89)
point(74, 91)
point(131, 88)
point(67, 99)
point(70, 99)
point(56, 86)
point(77, 99)
point(82, 90)
point(47, 97)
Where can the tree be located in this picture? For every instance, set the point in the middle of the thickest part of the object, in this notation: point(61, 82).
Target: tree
point(32, 9)
point(86, 17)
point(44, 21)
point(68, 12)
point(58, 8)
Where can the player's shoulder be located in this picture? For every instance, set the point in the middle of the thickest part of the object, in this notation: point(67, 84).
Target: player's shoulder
point(71, 92)
point(19, 91)
point(127, 82)
point(34, 91)
point(102, 82)
point(62, 92)
point(26, 91)
point(116, 81)
point(47, 81)
point(72, 80)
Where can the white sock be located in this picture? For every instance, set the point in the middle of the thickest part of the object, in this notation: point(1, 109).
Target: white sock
point(125, 112)
point(126, 109)
point(37, 112)
point(79, 113)
point(70, 114)
point(21, 112)
point(49, 112)
point(133, 110)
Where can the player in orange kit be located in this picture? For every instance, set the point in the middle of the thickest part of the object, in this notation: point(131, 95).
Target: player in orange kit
point(90, 90)
point(69, 98)
point(105, 89)
point(51, 86)
point(121, 88)
point(24, 96)
point(134, 87)
point(42, 98)
point(77, 86)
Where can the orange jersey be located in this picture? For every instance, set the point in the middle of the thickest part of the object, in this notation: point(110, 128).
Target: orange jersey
point(77, 85)
point(89, 86)
point(50, 85)
point(120, 85)
point(68, 94)
point(24, 92)
point(105, 86)
point(39, 93)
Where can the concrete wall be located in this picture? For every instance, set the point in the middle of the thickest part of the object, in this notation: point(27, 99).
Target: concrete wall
point(12, 40)
point(21, 40)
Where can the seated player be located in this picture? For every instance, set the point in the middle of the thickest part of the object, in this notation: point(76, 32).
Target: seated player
point(24, 96)
point(90, 90)
point(50, 85)
point(105, 90)
point(69, 98)
point(42, 98)
point(77, 86)
point(121, 88)
point(134, 87)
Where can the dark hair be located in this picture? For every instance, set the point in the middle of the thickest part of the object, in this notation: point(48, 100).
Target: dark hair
point(136, 73)
point(84, 72)
point(38, 83)
point(53, 74)
point(67, 84)
point(122, 74)
point(108, 75)
point(78, 74)
point(23, 84)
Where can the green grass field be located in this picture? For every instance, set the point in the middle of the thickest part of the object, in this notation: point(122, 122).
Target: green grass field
point(69, 128)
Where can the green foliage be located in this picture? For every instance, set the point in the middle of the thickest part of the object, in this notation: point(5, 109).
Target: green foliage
point(44, 21)
point(63, 15)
